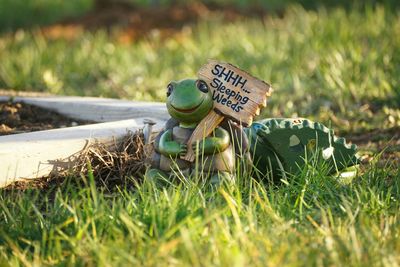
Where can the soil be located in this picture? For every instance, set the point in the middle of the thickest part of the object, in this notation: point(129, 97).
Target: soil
point(382, 142)
point(22, 118)
point(135, 22)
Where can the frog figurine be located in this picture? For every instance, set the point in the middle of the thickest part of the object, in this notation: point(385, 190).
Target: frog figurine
point(188, 102)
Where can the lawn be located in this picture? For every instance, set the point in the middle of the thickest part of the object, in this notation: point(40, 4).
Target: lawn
point(334, 64)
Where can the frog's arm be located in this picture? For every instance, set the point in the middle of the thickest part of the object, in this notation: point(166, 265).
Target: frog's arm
point(168, 147)
point(218, 142)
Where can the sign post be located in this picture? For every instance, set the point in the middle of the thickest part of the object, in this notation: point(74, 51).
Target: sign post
point(237, 95)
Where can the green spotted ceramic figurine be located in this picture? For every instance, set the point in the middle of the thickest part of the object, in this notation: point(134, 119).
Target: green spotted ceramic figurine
point(275, 146)
point(205, 135)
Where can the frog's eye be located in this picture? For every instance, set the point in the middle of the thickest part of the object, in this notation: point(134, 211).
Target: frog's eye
point(170, 87)
point(202, 86)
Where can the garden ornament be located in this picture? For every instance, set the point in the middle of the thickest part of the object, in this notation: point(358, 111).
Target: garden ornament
point(211, 128)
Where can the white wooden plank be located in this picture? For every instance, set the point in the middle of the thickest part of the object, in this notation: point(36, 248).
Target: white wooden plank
point(97, 109)
point(37, 154)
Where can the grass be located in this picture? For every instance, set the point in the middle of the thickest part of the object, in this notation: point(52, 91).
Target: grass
point(29, 13)
point(327, 66)
point(309, 221)
point(338, 66)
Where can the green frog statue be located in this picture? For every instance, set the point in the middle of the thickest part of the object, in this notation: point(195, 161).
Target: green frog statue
point(188, 102)
point(274, 147)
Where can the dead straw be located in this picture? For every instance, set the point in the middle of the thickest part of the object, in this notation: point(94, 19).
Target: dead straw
point(112, 165)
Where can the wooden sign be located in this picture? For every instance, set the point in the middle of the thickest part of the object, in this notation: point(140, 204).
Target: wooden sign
point(237, 95)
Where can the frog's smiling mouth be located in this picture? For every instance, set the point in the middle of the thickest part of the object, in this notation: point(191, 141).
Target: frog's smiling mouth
point(189, 110)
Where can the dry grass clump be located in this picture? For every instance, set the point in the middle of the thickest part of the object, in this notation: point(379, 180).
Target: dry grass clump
point(113, 165)
point(109, 165)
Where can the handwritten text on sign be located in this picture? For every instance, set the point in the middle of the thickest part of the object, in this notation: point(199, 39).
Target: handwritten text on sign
point(236, 94)
point(226, 96)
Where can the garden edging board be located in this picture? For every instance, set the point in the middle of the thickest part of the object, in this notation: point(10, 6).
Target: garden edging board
point(95, 108)
point(37, 154)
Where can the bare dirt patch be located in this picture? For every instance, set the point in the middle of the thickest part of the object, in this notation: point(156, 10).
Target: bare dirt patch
point(382, 142)
point(22, 118)
point(136, 22)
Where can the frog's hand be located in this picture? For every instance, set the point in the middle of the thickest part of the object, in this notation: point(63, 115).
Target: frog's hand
point(171, 123)
point(218, 142)
point(298, 141)
point(156, 155)
point(169, 147)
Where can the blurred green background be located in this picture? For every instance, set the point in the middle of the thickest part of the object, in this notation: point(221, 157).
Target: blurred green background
point(335, 61)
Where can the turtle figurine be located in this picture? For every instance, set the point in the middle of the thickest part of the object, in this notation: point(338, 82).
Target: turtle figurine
point(275, 146)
